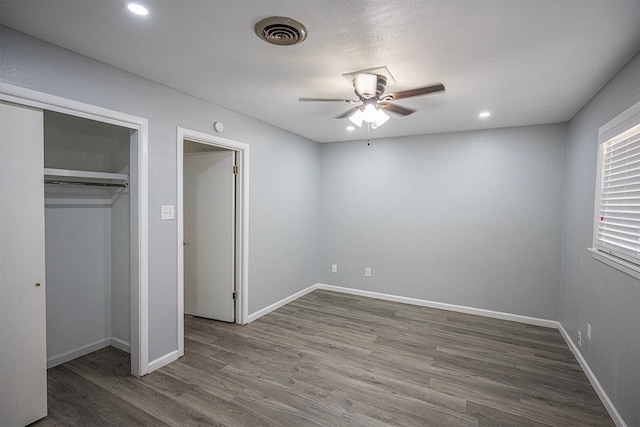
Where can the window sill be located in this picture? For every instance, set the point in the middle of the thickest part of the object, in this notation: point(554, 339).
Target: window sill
point(615, 262)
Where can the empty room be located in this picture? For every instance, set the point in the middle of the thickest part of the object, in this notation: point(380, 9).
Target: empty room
point(329, 213)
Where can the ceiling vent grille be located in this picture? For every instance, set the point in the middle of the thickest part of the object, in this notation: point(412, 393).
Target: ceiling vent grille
point(281, 31)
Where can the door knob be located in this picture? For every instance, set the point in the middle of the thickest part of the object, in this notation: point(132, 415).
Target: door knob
point(37, 285)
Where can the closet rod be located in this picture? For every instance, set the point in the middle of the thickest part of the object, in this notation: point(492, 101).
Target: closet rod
point(87, 183)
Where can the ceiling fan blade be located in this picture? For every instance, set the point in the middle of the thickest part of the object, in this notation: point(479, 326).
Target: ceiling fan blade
point(348, 112)
point(323, 99)
point(415, 92)
point(396, 108)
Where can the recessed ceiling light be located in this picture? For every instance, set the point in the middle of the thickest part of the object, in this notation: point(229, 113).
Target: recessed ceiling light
point(138, 9)
point(484, 114)
point(351, 128)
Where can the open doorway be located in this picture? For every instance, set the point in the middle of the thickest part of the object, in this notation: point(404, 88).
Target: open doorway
point(212, 215)
point(209, 208)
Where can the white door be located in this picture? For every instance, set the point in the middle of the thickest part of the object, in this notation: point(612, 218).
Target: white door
point(23, 357)
point(209, 234)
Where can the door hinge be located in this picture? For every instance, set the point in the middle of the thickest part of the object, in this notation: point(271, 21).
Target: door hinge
point(235, 169)
point(235, 296)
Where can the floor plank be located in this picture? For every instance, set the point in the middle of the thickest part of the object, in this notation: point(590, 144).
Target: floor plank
point(330, 359)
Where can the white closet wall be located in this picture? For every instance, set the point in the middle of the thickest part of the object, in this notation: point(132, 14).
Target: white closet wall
point(87, 240)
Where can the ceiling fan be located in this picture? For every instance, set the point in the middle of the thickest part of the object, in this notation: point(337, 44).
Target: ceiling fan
point(369, 87)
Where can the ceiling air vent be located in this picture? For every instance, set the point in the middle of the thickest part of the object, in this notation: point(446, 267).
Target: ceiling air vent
point(281, 31)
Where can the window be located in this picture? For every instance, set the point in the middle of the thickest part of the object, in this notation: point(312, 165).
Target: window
point(616, 231)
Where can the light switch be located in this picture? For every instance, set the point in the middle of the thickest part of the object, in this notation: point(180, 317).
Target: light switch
point(167, 212)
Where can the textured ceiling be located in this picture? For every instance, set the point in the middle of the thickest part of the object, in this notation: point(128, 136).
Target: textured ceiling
point(528, 62)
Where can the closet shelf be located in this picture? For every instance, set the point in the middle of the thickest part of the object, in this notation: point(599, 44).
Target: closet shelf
point(69, 176)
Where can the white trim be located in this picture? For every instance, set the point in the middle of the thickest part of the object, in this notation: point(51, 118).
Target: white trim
point(45, 101)
point(60, 358)
point(242, 223)
point(613, 129)
point(83, 350)
point(163, 360)
point(139, 287)
point(142, 329)
point(619, 264)
point(406, 300)
point(282, 302)
point(620, 123)
point(444, 306)
point(608, 404)
point(120, 344)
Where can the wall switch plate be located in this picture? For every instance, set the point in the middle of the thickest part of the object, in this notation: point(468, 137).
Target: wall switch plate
point(334, 268)
point(367, 272)
point(579, 339)
point(589, 331)
point(167, 212)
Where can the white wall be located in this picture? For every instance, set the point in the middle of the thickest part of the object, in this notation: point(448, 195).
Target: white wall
point(591, 291)
point(469, 218)
point(283, 253)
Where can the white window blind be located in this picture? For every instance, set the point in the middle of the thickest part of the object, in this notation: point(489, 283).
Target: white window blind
point(617, 229)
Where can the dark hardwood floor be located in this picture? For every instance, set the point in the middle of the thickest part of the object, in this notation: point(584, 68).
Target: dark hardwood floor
point(331, 359)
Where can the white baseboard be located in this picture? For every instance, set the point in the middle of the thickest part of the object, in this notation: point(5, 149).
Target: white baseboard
point(60, 358)
point(120, 344)
point(162, 361)
point(608, 404)
point(443, 306)
point(280, 303)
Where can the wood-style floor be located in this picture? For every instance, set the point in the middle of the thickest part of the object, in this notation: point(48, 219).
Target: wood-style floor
point(331, 359)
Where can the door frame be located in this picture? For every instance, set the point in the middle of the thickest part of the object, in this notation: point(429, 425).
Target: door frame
point(139, 342)
point(242, 222)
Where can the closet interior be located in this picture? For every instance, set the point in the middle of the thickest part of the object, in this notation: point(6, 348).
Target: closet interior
point(87, 236)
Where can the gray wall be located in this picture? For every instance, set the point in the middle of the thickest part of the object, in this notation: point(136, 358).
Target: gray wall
point(468, 218)
point(86, 236)
point(283, 212)
point(591, 291)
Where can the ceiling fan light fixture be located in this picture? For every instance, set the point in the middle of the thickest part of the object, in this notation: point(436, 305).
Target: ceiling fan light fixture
point(381, 118)
point(357, 117)
point(370, 113)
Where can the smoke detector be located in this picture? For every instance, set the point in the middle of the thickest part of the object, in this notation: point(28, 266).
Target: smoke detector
point(281, 31)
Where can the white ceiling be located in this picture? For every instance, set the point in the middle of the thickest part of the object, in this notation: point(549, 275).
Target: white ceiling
point(528, 62)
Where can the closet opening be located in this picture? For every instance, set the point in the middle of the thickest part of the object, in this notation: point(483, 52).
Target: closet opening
point(90, 222)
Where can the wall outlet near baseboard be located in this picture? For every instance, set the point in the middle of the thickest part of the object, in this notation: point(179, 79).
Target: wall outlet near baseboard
point(334, 268)
point(589, 331)
point(579, 339)
point(367, 271)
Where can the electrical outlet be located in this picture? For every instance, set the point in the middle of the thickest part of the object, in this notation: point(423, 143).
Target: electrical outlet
point(367, 272)
point(589, 331)
point(579, 339)
point(334, 268)
point(167, 212)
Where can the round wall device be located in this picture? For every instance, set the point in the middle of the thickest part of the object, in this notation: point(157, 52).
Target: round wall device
point(218, 127)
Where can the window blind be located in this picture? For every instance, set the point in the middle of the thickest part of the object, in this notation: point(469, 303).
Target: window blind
point(618, 221)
